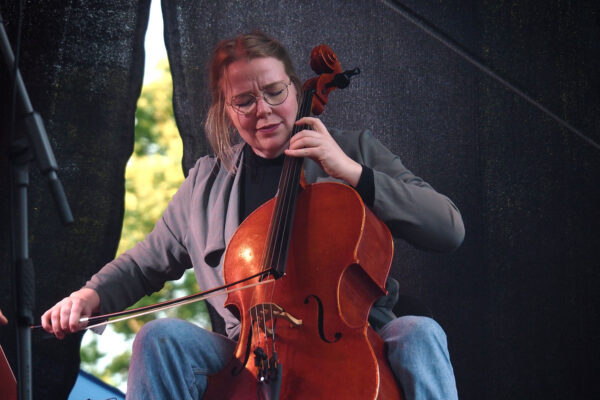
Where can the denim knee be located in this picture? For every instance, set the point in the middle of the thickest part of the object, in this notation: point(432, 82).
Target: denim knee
point(154, 329)
point(171, 359)
point(417, 350)
point(412, 329)
point(178, 339)
point(159, 342)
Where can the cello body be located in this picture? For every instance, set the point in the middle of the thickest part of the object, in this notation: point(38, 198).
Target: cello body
point(314, 317)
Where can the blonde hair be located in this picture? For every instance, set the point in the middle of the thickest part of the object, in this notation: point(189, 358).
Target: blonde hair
point(219, 129)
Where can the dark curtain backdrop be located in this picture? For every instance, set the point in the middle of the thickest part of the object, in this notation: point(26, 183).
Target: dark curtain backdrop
point(82, 62)
point(519, 300)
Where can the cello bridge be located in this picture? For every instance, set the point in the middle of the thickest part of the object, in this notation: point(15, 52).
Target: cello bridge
point(265, 312)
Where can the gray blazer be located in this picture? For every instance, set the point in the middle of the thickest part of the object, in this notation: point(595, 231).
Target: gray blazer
point(203, 215)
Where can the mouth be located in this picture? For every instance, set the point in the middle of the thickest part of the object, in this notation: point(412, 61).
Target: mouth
point(269, 128)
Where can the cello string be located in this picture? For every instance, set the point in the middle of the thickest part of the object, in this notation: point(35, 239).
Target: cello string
point(272, 322)
point(283, 194)
point(256, 324)
point(264, 322)
point(274, 241)
point(283, 208)
point(254, 315)
point(272, 319)
point(291, 176)
point(264, 319)
point(282, 200)
point(280, 212)
point(265, 265)
point(291, 167)
point(282, 203)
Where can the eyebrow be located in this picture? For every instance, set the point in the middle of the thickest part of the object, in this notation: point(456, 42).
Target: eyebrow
point(260, 88)
point(271, 84)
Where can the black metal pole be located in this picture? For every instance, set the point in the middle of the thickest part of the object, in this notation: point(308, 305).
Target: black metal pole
point(21, 155)
point(25, 280)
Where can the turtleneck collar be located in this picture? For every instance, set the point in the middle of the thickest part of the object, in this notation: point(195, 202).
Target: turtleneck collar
point(253, 159)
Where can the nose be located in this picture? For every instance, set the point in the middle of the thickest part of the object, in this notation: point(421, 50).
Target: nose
point(262, 107)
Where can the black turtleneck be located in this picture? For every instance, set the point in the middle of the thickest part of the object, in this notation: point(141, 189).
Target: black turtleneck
point(260, 178)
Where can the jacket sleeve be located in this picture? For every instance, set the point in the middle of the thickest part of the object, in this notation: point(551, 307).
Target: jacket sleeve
point(409, 206)
point(144, 269)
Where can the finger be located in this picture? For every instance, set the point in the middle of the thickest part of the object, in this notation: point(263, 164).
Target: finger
point(304, 152)
point(55, 318)
point(46, 324)
point(313, 122)
point(304, 134)
point(306, 121)
point(65, 314)
point(304, 142)
point(74, 324)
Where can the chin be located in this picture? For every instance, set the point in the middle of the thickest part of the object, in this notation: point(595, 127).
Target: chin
point(272, 147)
point(270, 151)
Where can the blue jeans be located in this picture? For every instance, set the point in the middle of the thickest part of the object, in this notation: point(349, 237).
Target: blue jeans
point(171, 359)
point(418, 354)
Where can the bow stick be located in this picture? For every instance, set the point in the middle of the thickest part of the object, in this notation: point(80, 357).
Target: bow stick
point(101, 320)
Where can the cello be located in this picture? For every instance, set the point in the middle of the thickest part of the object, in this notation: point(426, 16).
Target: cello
point(323, 259)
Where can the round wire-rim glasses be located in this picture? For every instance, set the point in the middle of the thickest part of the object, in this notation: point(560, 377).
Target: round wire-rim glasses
point(273, 94)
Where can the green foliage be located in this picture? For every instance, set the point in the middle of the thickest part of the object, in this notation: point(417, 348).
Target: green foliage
point(152, 177)
point(90, 354)
point(117, 370)
point(154, 169)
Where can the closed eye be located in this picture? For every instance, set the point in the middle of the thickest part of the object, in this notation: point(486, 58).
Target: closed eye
point(243, 101)
point(275, 93)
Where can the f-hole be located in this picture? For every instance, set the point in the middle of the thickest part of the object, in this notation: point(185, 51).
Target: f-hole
point(337, 335)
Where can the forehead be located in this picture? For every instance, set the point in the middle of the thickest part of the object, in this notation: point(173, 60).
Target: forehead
point(245, 75)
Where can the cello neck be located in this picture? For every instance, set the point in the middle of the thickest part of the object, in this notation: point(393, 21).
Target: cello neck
point(285, 204)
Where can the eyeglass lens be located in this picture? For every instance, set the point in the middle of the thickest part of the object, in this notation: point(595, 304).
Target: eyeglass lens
point(273, 94)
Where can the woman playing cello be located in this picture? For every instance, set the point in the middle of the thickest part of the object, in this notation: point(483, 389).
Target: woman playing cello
point(255, 97)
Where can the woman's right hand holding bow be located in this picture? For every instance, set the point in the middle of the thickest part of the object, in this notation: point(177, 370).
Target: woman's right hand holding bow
point(64, 317)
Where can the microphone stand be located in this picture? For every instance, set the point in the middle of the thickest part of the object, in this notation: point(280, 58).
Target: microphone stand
point(21, 155)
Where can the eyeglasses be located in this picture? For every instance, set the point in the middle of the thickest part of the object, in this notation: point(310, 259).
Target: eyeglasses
point(273, 94)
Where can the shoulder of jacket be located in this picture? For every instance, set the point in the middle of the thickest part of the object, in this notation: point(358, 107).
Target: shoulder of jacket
point(211, 163)
point(349, 134)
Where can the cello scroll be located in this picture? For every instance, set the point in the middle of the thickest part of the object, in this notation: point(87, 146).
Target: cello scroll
point(325, 63)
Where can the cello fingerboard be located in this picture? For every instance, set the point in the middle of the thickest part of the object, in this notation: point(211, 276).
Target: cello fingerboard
point(280, 229)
